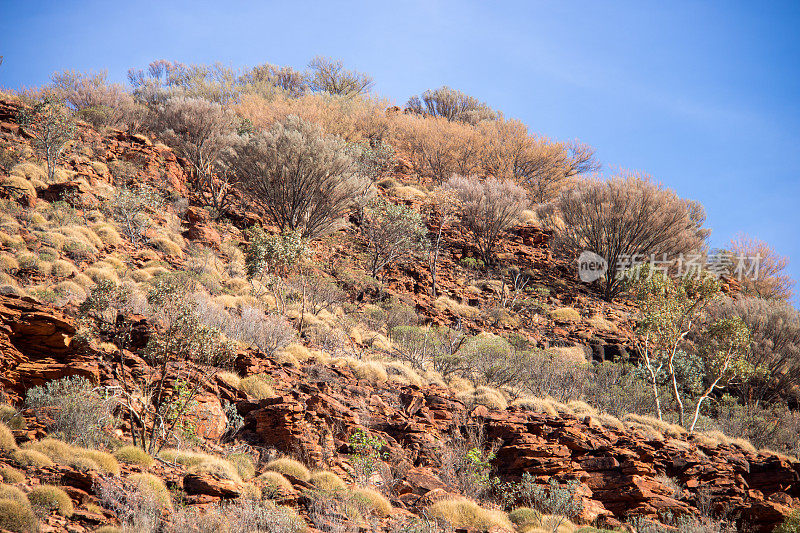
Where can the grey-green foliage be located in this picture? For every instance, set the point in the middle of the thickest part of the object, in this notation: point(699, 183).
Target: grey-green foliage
point(51, 127)
point(303, 179)
point(392, 233)
point(73, 408)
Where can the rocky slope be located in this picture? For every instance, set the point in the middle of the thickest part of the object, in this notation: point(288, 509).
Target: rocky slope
point(317, 407)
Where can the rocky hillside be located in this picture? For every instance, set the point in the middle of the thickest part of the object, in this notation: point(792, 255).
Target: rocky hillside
point(317, 406)
point(310, 420)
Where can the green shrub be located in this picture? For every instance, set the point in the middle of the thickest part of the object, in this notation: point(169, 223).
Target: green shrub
point(289, 466)
point(7, 440)
point(152, 488)
point(78, 413)
point(51, 498)
point(327, 481)
point(791, 524)
point(525, 517)
point(133, 455)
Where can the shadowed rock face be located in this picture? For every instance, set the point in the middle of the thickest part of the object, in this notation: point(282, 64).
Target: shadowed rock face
point(318, 407)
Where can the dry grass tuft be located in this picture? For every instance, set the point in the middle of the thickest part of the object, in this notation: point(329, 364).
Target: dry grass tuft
point(468, 514)
point(288, 466)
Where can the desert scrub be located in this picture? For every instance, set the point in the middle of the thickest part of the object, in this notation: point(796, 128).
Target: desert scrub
point(166, 247)
point(152, 488)
point(47, 498)
point(16, 514)
point(565, 314)
point(486, 396)
point(327, 481)
point(7, 441)
point(290, 467)
point(107, 463)
point(8, 263)
point(257, 386)
point(274, 485)
point(372, 371)
point(9, 474)
point(243, 463)
point(525, 517)
point(31, 458)
point(466, 513)
point(371, 501)
point(62, 269)
point(133, 455)
point(11, 417)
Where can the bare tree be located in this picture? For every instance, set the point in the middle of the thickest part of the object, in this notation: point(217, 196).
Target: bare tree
point(201, 131)
point(442, 209)
point(774, 347)
point(451, 104)
point(294, 82)
point(623, 217)
point(51, 125)
point(303, 179)
point(96, 100)
point(771, 280)
point(330, 76)
point(488, 208)
point(392, 232)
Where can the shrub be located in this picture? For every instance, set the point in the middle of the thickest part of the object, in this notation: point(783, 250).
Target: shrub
point(274, 485)
point(151, 487)
point(51, 498)
point(290, 467)
point(622, 217)
point(488, 208)
point(244, 465)
point(133, 455)
point(771, 281)
point(372, 371)
point(31, 458)
point(774, 348)
point(303, 179)
point(791, 524)
point(257, 386)
point(327, 481)
point(489, 359)
point(51, 126)
point(452, 105)
point(536, 405)
point(7, 441)
point(523, 517)
point(108, 463)
point(166, 247)
point(11, 475)
point(95, 100)
point(392, 233)
point(62, 269)
point(565, 314)
point(465, 513)
point(330, 76)
point(8, 263)
point(16, 516)
point(371, 501)
point(219, 467)
point(76, 411)
point(401, 373)
point(200, 131)
point(486, 396)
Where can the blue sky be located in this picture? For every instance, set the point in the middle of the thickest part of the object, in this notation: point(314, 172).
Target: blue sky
point(705, 96)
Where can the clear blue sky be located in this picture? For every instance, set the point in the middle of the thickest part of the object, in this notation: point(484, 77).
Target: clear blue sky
point(703, 95)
